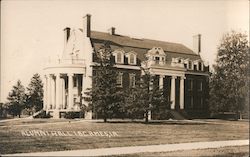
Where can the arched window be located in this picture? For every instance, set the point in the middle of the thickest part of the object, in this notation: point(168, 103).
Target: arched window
point(119, 57)
point(131, 57)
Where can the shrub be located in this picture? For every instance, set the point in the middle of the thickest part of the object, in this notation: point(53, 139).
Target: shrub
point(72, 115)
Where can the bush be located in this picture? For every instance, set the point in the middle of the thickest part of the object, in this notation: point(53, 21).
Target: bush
point(72, 115)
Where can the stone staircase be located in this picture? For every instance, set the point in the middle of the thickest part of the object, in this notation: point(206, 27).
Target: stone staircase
point(178, 115)
point(38, 114)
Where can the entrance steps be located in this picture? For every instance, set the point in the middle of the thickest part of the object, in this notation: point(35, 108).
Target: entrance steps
point(178, 115)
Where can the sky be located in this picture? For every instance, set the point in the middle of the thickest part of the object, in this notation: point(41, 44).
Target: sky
point(32, 30)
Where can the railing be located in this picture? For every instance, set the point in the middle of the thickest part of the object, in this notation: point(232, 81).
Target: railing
point(66, 61)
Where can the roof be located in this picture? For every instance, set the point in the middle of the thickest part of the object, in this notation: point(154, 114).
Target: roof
point(141, 46)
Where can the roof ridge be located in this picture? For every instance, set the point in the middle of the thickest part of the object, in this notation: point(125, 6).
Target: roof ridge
point(142, 43)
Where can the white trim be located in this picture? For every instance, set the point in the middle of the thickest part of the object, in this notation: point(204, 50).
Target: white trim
point(128, 67)
point(167, 72)
point(197, 73)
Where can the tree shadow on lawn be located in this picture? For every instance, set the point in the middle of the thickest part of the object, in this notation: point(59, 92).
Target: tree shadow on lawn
point(164, 122)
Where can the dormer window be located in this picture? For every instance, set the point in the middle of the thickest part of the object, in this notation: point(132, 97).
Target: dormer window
point(157, 60)
point(156, 56)
point(119, 56)
point(198, 65)
point(185, 65)
point(131, 58)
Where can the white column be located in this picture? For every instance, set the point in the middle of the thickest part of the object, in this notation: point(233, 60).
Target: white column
point(57, 82)
point(161, 81)
point(63, 92)
point(182, 92)
point(52, 91)
point(49, 92)
point(45, 93)
point(173, 92)
point(70, 90)
point(83, 89)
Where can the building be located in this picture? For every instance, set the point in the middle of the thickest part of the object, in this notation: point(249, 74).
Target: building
point(180, 70)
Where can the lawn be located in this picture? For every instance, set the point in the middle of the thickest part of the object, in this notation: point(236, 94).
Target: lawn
point(239, 151)
point(129, 134)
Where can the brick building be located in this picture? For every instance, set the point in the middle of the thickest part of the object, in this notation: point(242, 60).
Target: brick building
point(179, 70)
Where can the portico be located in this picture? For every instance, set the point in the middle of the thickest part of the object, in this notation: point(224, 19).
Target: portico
point(163, 70)
point(173, 89)
point(63, 86)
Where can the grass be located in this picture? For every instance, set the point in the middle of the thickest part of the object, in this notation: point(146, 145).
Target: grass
point(130, 134)
point(238, 151)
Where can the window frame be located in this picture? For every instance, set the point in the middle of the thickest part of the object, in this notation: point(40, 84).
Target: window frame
point(132, 80)
point(134, 57)
point(121, 53)
point(119, 80)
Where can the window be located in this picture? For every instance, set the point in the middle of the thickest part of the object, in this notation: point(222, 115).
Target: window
point(132, 59)
point(185, 65)
point(119, 80)
point(195, 67)
point(199, 86)
point(189, 65)
point(157, 59)
point(74, 81)
point(119, 58)
point(200, 66)
point(132, 80)
point(190, 85)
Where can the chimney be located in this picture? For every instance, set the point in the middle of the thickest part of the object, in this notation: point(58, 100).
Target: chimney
point(87, 25)
point(112, 31)
point(197, 43)
point(66, 35)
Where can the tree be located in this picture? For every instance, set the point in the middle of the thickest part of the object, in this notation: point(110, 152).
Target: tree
point(2, 110)
point(229, 82)
point(145, 97)
point(16, 99)
point(35, 93)
point(104, 97)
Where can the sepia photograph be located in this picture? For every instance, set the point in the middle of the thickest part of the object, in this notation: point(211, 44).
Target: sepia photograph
point(124, 78)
